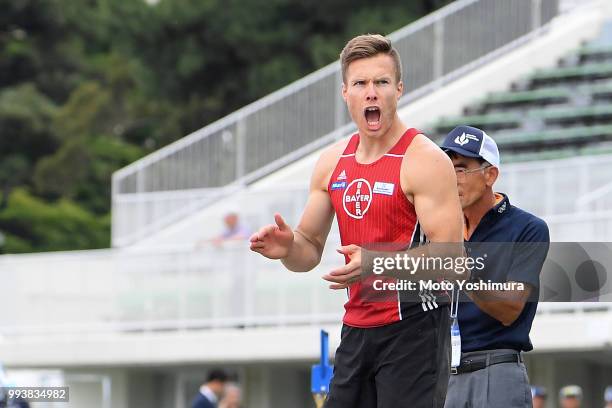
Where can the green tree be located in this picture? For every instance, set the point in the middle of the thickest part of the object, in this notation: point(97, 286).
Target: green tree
point(34, 47)
point(88, 86)
point(31, 224)
point(13, 172)
point(26, 135)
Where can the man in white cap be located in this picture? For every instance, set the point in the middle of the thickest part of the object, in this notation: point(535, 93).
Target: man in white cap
point(494, 325)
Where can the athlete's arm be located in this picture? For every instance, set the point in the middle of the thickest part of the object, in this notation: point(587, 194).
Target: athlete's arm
point(429, 181)
point(300, 250)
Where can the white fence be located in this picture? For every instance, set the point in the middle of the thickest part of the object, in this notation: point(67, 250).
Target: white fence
point(572, 194)
point(135, 216)
point(183, 288)
point(553, 187)
point(74, 293)
point(264, 136)
point(113, 290)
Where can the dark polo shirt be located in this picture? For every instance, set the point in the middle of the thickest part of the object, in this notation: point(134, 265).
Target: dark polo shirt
point(518, 262)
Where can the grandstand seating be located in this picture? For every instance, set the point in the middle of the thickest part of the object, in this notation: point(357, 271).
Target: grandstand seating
point(552, 113)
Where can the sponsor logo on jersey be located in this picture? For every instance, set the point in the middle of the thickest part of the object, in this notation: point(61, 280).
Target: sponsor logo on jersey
point(342, 175)
point(383, 188)
point(357, 198)
point(465, 139)
point(338, 185)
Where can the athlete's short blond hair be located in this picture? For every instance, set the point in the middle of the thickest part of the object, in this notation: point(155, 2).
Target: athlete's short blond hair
point(366, 46)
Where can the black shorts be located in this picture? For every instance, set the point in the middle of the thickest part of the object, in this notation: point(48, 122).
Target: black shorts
point(401, 365)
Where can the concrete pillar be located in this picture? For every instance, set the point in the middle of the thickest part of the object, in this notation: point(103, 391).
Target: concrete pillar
point(97, 388)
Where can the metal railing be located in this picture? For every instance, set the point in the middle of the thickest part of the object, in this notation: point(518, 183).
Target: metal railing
point(551, 187)
point(273, 131)
point(596, 200)
point(547, 188)
point(578, 308)
point(593, 226)
point(134, 218)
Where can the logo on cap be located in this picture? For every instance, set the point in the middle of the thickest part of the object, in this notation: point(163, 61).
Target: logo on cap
point(465, 139)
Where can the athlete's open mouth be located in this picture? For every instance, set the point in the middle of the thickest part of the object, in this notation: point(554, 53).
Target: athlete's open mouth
point(372, 115)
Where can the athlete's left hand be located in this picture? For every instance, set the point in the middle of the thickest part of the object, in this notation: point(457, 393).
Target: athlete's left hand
point(350, 273)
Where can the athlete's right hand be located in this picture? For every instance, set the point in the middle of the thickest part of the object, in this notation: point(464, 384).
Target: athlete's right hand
point(273, 241)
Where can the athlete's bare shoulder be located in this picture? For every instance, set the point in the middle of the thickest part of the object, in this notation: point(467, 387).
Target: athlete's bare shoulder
point(423, 161)
point(327, 163)
point(423, 148)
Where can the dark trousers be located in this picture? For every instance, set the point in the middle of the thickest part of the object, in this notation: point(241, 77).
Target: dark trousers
point(404, 364)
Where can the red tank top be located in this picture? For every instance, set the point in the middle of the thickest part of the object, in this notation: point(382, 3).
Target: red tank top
point(372, 208)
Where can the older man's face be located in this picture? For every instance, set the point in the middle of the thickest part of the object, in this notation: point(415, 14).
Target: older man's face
point(473, 185)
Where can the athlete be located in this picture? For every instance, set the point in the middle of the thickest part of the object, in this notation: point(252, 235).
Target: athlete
point(386, 184)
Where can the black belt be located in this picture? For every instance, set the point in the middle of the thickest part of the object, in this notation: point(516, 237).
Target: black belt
point(476, 363)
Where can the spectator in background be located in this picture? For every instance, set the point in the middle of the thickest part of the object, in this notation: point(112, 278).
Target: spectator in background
point(232, 398)
point(233, 230)
point(212, 391)
point(608, 396)
point(538, 396)
point(570, 396)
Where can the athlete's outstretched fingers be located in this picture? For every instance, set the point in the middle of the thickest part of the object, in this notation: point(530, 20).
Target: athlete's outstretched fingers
point(345, 269)
point(352, 266)
point(340, 279)
point(280, 221)
point(257, 244)
point(348, 249)
point(344, 274)
point(332, 278)
point(257, 249)
point(264, 231)
point(344, 285)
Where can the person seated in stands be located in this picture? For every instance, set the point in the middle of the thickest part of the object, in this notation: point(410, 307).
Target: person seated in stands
point(233, 230)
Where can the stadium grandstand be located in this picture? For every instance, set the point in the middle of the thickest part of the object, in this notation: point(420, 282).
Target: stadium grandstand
point(140, 324)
